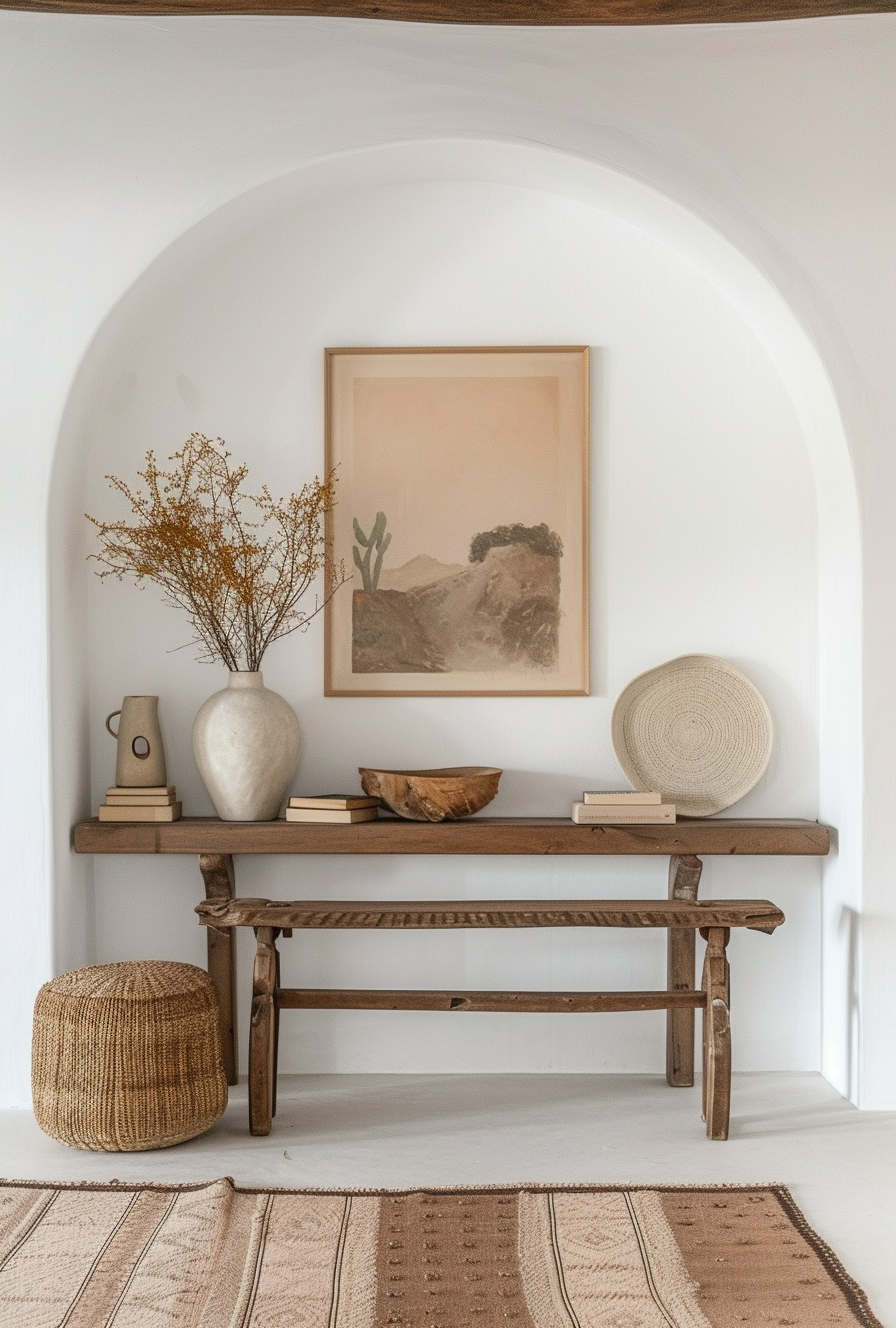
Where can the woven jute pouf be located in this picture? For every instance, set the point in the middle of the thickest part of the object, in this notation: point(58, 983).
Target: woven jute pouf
point(127, 1057)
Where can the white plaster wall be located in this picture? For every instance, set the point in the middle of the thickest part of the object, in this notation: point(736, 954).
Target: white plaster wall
point(703, 538)
point(117, 135)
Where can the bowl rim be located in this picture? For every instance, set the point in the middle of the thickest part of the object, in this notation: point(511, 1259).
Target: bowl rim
point(446, 772)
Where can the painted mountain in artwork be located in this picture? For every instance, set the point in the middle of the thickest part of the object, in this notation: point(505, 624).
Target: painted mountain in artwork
point(498, 613)
point(420, 571)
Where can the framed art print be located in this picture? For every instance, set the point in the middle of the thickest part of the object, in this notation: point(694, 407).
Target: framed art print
point(462, 513)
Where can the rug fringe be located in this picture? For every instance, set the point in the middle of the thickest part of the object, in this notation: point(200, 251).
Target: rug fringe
point(513, 1187)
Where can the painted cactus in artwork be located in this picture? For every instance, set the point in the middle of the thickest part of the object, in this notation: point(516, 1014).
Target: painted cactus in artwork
point(377, 540)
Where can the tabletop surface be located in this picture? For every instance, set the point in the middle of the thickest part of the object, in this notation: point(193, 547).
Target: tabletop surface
point(719, 836)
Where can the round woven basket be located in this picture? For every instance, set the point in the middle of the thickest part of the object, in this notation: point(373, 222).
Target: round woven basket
point(695, 729)
point(127, 1057)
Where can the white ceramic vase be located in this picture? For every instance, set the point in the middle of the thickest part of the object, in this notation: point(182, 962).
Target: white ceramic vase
point(246, 742)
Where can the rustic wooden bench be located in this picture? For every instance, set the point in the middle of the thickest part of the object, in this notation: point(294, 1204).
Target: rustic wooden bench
point(271, 918)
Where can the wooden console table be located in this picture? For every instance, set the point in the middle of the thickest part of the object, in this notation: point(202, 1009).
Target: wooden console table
point(685, 843)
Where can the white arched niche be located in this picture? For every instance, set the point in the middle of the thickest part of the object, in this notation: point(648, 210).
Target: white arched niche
point(455, 210)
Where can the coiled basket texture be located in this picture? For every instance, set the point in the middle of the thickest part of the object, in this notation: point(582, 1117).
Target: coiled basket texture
point(127, 1057)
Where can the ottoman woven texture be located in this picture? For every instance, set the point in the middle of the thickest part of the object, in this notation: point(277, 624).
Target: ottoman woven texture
point(127, 1057)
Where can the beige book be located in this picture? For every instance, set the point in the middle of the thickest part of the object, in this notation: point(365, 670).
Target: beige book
point(144, 800)
point(169, 813)
point(331, 815)
point(661, 814)
point(132, 791)
point(622, 798)
point(336, 802)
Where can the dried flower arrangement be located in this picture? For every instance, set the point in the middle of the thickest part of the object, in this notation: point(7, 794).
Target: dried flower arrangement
point(237, 563)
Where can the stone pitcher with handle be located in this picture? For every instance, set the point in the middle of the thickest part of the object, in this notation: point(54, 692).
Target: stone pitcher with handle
point(141, 756)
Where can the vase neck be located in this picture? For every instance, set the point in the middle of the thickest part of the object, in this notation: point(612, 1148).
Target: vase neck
point(245, 680)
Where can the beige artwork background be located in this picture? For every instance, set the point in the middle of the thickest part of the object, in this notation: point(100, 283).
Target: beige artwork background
point(449, 444)
point(446, 458)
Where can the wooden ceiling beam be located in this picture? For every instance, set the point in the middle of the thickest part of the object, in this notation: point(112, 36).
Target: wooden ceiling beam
point(515, 13)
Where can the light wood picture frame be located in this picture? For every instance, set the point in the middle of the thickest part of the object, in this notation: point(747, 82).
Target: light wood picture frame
point(462, 515)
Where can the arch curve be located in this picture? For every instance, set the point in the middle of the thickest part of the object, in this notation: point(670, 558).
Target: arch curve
point(744, 286)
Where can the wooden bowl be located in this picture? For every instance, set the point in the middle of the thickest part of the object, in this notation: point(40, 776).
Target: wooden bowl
point(433, 795)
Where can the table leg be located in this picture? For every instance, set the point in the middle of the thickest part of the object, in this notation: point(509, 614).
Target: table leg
point(684, 882)
point(263, 1032)
point(716, 1034)
point(217, 873)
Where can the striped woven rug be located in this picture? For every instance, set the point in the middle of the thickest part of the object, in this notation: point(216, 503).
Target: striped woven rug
point(213, 1256)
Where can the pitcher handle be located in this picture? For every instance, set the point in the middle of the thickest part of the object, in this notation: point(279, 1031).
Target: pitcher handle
point(109, 727)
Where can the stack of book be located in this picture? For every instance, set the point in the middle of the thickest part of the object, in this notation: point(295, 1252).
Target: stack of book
point(623, 807)
point(141, 804)
point(333, 807)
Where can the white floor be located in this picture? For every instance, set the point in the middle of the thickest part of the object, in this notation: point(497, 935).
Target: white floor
point(403, 1130)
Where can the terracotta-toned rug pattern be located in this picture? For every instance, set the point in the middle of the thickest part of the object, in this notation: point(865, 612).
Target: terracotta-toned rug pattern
point(213, 1256)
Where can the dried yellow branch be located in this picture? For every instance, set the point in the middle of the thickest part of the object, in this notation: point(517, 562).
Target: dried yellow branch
point(238, 563)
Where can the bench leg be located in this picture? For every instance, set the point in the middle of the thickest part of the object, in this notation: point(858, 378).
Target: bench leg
point(716, 1034)
point(263, 1032)
point(684, 882)
point(217, 873)
point(276, 1030)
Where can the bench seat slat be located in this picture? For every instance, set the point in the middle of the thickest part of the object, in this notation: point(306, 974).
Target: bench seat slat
point(758, 914)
